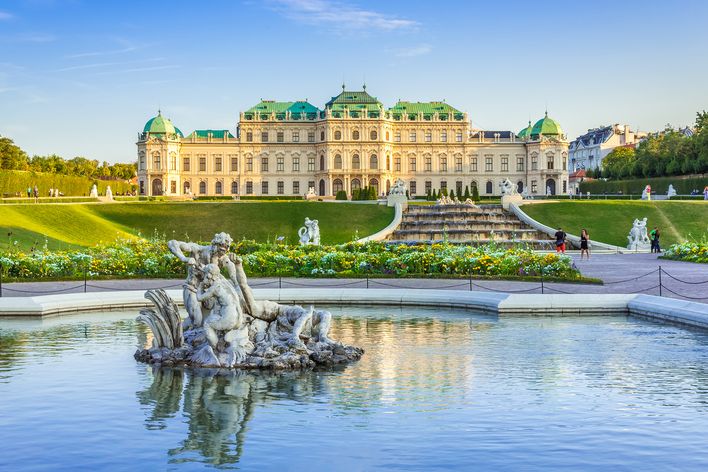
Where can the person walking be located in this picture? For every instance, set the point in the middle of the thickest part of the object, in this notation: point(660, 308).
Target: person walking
point(29, 192)
point(560, 241)
point(584, 244)
point(36, 193)
point(654, 235)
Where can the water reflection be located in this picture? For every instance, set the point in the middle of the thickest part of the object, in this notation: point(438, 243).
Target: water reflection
point(217, 405)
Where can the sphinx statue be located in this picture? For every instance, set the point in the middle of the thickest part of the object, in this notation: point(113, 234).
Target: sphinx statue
point(227, 326)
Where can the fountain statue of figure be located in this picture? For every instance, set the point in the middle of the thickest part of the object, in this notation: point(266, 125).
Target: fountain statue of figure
point(638, 238)
point(398, 195)
point(228, 327)
point(399, 188)
point(646, 193)
point(548, 190)
point(310, 233)
point(507, 187)
point(94, 192)
point(109, 193)
point(671, 192)
point(311, 194)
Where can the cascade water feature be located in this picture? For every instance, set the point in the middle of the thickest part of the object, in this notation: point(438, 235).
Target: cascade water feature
point(466, 224)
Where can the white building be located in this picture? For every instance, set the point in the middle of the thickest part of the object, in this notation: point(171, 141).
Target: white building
point(588, 150)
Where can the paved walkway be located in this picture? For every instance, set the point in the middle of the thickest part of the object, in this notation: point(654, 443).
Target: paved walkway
point(621, 273)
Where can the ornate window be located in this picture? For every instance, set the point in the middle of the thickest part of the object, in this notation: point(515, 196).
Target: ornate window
point(397, 136)
point(356, 184)
point(428, 187)
point(249, 187)
point(337, 135)
point(397, 164)
point(488, 164)
point(322, 136)
point(249, 136)
point(280, 164)
point(412, 136)
point(217, 164)
point(173, 187)
point(458, 164)
point(443, 185)
point(519, 164)
point(412, 187)
point(264, 187)
point(202, 163)
point(443, 136)
point(473, 164)
point(234, 187)
point(296, 136)
point(534, 162)
point(281, 187)
point(458, 188)
point(458, 136)
point(373, 135)
point(338, 161)
point(428, 164)
point(264, 164)
point(234, 164)
point(355, 135)
point(249, 164)
point(218, 188)
point(337, 186)
point(534, 186)
point(311, 164)
point(173, 163)
point(202, 187)
point(490, 187)
point(296, 164)
point(428, 136)
point(322, 162)
point(356, 164)
point(141, 161)
point(185, 164)
point(549, 161)
point(505, 163)
point(296, 188)
point(443, 164)
point(411, 164)
point(264, 136)
point(156, 160)
point(373, 162)
point(280, 136)
point(311, 137)
point(388, 136)
point(186, 187)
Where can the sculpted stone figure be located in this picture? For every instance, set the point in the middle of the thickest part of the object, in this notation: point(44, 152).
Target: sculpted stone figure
point(638, 238)
point(399, 188)
point(507, 187)
point(671, 192)
point(310, 233)
point(94, 191)
point(109, 193)
point(228, 326)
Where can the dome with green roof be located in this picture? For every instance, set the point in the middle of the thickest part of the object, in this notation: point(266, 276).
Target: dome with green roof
point(161, 125)
point(524, 133)
point(546, 127)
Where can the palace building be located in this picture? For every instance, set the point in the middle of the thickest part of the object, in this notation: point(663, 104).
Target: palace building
point(284, 148)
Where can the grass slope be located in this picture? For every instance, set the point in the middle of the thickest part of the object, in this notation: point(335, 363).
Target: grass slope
point(85, 225)
point(609, 221)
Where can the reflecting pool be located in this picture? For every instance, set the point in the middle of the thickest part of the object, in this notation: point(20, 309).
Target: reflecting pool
point(435, 390)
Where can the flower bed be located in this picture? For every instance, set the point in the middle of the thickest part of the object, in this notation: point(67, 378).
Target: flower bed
point(143, 258)
point(690, 251)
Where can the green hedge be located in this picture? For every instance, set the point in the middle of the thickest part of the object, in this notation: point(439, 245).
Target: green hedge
point(12, 181)
point(50, 200)
point(683, 185)
point(214, 197)
point(687, 197)
point(266, 197)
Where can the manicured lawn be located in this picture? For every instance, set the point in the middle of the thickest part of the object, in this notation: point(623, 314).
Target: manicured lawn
point(609, 221)
point(84, 225)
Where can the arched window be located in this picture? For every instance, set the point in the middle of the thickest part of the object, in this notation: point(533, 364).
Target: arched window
point(373, 135)
point(473, 185)
point(338, 161)
point(322, 163)
point(141, 161)
point(202, 187)
point(356, 184)
point(373, 183)
point(490, 187)
point(373, 162)
point(156, 160)
point(337, 135)
point(519, 186)
point(234, 187)
point(218, 188)
point(187, 188)
point(388, 136)
point(356, 164)
point(173, 161)
point(337, 186)
point(355, 135)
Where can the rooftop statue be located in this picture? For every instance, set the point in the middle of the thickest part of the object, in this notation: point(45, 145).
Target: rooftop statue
point(227, 326)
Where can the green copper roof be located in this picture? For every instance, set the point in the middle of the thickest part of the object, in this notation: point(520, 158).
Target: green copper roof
point(428, 109)
point(524, 133)
point(266, 107)
point(215, 133)
point(546, 127)
point(161, 125)
point(355, 102)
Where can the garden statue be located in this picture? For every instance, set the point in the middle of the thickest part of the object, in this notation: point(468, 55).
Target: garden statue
point(310, 233)
point(311, 194)
point(646, 193)
point(398, 195)
point(671, 192)
point(399, 188)
point(94, 192)
point(227, 327)
point(638, 238)
point(109, 193)
point(507, 188)
point(548, 190)
point(525, 193)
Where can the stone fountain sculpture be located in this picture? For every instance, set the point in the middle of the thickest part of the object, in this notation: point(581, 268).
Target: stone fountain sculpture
point(646, 193)
point(94, 192)
point(671, 192)
point(311, 194)
point(109, 193)
point(638, 238)
point(227, 327)
point(507, 187)
point(310, 233)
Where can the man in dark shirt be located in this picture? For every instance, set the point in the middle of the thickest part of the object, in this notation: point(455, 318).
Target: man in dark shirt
point(560, 241)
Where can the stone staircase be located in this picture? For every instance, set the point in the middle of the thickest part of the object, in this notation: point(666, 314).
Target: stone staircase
point(465, 224)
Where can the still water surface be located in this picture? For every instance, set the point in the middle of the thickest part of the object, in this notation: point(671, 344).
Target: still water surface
point(435, 390)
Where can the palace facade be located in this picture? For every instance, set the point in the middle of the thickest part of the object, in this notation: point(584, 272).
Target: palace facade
point(284, 148)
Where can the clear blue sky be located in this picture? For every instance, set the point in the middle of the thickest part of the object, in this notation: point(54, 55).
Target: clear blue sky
point(80, 77)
